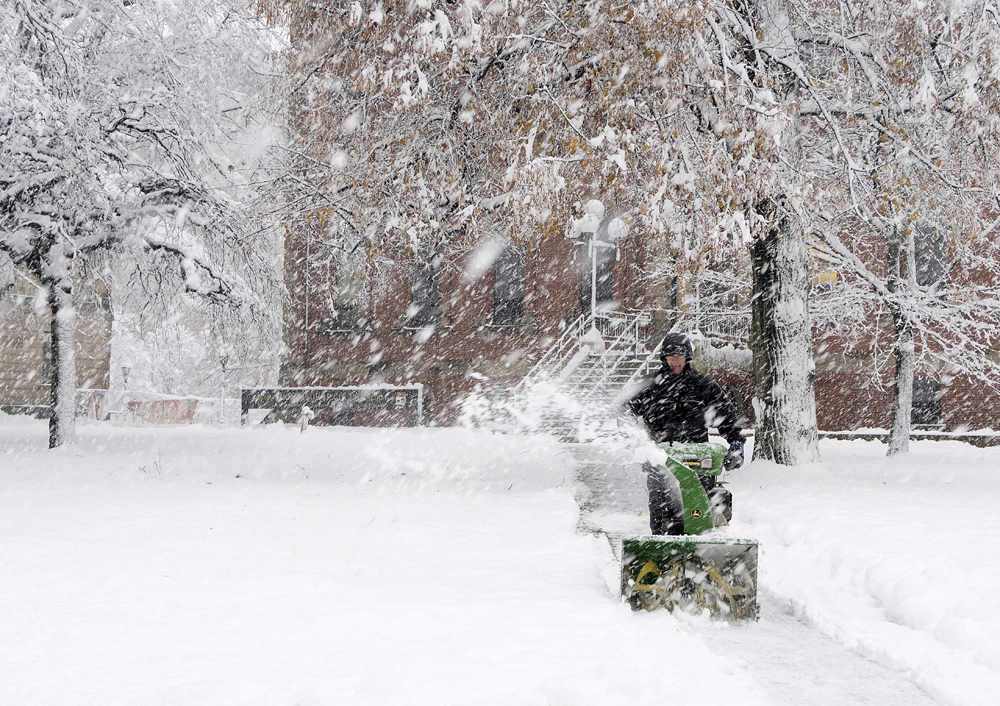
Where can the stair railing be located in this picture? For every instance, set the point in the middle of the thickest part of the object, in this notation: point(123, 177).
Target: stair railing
point(627, 338)
point(559, 353)
point(623, 326)
point(621, 334)
point(647, 364)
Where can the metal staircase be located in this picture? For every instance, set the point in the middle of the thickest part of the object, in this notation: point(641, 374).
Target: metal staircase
point(579, 381)
point(583, 378)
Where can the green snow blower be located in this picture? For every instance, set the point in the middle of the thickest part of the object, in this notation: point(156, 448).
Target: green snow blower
point(695, 571)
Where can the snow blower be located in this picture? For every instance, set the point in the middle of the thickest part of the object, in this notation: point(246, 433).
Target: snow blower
point(695, 571)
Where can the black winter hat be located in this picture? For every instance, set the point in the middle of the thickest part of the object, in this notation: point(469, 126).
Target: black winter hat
point(676, 344)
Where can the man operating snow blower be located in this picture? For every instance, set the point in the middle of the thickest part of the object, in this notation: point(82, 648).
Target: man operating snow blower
point(691, 568)
point(678, 404)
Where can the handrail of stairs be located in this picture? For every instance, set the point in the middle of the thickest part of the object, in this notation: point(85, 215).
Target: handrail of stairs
point(559, 352)
point(654, 355)
point(629, 337)
point(688, 322)
point(628, 322)
point(624, 326)
point(568, 361)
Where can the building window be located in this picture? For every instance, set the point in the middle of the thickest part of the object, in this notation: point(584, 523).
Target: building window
point(930, 255)
point(425, 304)
point(346, 267)
point(508, 287)
point(347, 305)
point(926, 410)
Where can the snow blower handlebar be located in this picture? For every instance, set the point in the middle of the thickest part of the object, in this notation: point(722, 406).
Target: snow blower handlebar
point(734, 458)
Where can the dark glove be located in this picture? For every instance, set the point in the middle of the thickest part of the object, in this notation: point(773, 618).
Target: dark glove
point(734, 459)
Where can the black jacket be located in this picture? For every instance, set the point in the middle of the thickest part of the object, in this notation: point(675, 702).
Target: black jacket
point(682, 407)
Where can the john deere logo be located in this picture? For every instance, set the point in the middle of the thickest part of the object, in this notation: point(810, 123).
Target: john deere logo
point(696, 513)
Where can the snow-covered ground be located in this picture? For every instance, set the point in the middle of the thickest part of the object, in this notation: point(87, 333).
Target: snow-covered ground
point(198, 565)
point(897, 559)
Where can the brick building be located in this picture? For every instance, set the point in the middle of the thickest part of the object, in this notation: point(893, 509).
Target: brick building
point(854, 364)
point(481, 317)
point(460, 318)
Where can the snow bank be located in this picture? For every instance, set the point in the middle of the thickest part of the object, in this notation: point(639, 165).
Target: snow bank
point(895, 558)
point(262, 566)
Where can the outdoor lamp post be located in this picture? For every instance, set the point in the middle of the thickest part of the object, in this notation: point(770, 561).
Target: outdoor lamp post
point(594, 246)
point(590, 225)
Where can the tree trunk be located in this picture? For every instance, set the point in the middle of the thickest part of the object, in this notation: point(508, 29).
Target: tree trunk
point(62, 417)
point(903, 352)
point(902, 396)
point(781, 339)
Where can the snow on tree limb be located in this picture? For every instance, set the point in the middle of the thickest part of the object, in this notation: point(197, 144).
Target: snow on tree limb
point(707, 125)
point(116, 122)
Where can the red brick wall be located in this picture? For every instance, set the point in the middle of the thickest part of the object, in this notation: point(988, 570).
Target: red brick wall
point(465, 348)
point(856, 399)
point(465, 351)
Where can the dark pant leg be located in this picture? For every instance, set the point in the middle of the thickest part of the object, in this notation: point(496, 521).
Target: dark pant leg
point(656, 487)
point(666, 514)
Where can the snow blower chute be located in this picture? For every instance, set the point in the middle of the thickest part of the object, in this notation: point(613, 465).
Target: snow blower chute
point(694, 571)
